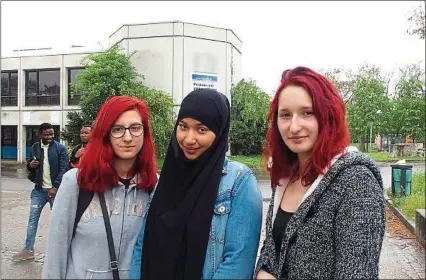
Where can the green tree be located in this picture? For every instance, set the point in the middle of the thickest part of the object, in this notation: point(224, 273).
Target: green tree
point(369, 108)
point(343, 79)
point(408, 105)
point(249, 110)
point(72, 132)
point(109, 74)
point(417, 21)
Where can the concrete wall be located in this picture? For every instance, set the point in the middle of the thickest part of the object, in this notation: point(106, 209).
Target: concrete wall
point(153, 58)
point(420, 226)
point(167, 53)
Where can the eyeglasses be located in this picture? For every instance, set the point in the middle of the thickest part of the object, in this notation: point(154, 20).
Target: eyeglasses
point(117, 131)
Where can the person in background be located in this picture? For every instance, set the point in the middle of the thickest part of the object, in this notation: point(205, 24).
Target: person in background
point(78, 151)
point(326, 219)
point(48, 162)
point(204, 221)
point(118, 171)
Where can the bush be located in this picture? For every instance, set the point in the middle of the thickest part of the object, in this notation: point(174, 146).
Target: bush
point(409, 204)
point(249, 110)
point(247, 139)
point(72, 133)
point(161, 116)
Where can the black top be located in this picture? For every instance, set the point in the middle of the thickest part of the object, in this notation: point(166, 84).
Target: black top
point(280, 225)
point(126, 182)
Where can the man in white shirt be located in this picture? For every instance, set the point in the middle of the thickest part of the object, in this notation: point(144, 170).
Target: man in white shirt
point(47, 163)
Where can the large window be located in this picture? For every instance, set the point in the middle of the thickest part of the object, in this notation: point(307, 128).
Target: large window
point(74, 97)
point(9, 88)
point(9, 141)
point(42, 87)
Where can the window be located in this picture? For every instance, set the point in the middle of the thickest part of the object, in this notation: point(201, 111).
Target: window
point(74, 97)
point(42, 87)
point(9, 141)
point(9, 88)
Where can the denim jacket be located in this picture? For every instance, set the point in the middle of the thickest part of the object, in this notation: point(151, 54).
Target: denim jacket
point(235, 230)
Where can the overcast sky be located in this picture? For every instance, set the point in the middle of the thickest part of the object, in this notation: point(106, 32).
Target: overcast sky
point(275, 35)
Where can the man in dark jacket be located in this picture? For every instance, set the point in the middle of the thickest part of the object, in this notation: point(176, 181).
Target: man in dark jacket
point(78, 150)
point(47, 163)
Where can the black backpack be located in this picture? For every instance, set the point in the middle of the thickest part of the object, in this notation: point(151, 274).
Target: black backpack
point(84, 199)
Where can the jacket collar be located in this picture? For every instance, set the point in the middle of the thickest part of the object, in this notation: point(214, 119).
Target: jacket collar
point(49, 145)
point(225, 166)
point(283, 183)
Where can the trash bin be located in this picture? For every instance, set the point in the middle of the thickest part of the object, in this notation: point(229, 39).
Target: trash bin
point(401, 179)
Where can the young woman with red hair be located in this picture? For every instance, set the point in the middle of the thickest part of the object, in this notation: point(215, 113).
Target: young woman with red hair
point(118, 171)
point(326, 219)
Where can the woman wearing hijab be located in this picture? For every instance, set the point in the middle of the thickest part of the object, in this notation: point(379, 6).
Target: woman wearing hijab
point(205, 217)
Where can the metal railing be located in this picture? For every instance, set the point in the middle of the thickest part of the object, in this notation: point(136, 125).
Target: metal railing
point(42, 100)
point(9, 101)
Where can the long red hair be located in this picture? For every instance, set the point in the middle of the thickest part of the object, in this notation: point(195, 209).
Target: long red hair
point(96, 170)
point(333, 137)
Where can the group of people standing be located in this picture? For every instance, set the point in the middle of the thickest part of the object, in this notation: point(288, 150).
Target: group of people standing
point(115, 217)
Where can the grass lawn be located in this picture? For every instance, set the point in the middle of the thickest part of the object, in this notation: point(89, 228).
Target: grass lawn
point(409, 204)
point(383, 156)
point(251, 161)
point(160, 162)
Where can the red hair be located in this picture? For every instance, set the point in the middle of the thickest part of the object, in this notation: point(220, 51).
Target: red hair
point(333, 136)
point(96, 169)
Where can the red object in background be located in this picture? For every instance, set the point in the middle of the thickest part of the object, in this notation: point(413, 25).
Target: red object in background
point(379, 143)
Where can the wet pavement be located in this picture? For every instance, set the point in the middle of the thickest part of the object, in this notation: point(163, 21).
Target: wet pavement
point(14, 218)
point(402, 256)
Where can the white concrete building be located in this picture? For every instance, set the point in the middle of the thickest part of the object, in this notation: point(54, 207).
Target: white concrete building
point(172, 56)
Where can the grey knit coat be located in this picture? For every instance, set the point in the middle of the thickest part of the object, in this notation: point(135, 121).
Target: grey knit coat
point(337, 231)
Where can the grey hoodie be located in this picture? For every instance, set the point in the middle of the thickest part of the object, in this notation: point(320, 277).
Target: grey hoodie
point(86, 256)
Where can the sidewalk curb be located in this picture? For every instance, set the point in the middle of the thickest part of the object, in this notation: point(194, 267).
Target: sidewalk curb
point(410, 225)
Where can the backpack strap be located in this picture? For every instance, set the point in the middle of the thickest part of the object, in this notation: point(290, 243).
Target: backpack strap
point(111, 248)
point(84, 199)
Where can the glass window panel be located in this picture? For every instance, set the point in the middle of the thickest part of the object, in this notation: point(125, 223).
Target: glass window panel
point(14, 83)
point(4, 84)
point(31, 83)
point(49, 82)
point(74, 97)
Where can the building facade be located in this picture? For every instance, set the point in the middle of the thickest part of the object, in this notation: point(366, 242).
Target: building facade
point(175, 57)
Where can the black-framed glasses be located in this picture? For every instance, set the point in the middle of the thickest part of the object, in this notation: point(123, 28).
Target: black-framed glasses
point(117, 131)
